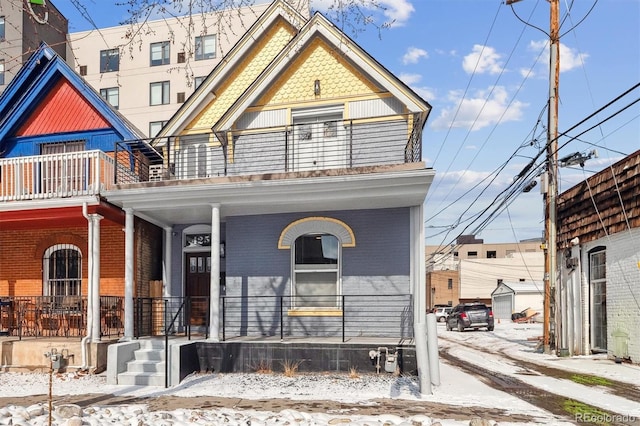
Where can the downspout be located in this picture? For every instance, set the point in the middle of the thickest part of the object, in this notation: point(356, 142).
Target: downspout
point(87, 339)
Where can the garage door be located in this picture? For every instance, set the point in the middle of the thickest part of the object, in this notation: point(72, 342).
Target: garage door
point(502, 306)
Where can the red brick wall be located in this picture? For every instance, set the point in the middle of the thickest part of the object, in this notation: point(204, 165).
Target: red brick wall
point(21, 258)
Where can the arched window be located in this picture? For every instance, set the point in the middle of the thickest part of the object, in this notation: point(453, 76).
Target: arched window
point(316, 245)
point(62, 266)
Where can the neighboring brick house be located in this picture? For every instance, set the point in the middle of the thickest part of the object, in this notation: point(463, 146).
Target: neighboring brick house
point(62, 257)
point(598, 297)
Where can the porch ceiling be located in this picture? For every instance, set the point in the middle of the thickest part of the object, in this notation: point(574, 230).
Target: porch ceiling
point(187, 202)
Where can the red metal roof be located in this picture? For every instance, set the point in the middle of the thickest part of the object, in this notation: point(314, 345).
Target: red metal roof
point(63, 110)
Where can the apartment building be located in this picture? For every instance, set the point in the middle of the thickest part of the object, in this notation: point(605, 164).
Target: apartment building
point(23, 26)
point(148, 76)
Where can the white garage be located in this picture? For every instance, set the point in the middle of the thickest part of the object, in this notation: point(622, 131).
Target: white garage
point(509, 298)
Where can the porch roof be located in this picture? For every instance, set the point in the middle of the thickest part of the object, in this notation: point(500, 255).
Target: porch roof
point(189, 201)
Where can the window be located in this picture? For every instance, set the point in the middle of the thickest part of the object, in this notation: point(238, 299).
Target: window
point(205, 47)
point(491, 254)
point(111, 95)
point(197, 82)
point(316, 271)
point(598, 284)
point(449, 283)
point(181, 58)
point(180, 97)
point(62, 271)
point(472, 254)
point(109, 60)
point(2, 28)
point(160, 53)
point(159, 93)
point(83, 70)
point(155, 127)
point(1, 72)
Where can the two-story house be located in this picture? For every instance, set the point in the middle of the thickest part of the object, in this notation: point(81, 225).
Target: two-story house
point(62, 257)
point(290, 193)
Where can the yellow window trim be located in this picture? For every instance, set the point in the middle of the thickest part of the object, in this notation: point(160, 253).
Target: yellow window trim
point(314, 313)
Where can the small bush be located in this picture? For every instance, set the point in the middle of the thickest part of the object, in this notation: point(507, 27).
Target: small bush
point(290, 367)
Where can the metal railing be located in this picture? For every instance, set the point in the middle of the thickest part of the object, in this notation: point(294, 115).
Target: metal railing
point(55, 175)
point(342, 316)
point(58, 316)
point(336, 144)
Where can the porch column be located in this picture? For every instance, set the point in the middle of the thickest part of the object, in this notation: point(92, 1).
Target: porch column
point(214, 301)
point(166, 272)
point(94, 278)
point(128, 274)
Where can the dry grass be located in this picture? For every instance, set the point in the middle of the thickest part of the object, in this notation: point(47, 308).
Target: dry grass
point(262, 367)
point(290, 368)
point(353, 373)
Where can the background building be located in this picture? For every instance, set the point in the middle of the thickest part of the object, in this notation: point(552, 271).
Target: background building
point(147, 77)
point(470, 269)
point(23, 26)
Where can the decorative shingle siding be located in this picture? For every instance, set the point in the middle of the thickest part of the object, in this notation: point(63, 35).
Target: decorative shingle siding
point(266, 49)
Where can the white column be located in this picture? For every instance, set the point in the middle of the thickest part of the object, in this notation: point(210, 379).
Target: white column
point(166, 270)
point(95, 275)
point(214, 301)
point(128, 274)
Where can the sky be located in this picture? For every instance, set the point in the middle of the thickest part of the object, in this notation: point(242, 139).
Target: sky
point(483, 66)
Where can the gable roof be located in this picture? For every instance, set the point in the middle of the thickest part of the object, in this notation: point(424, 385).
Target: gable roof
point(306, 32)
point(47, 85)
point(319, 26)
point(207, 91)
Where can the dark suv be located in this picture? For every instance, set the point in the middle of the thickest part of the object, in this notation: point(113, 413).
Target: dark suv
point(470, 315)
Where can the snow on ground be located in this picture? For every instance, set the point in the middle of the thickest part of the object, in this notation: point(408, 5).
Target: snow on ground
point(457, 388)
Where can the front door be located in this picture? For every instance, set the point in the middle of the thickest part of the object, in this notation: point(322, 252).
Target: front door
point(319, 142)
point(198, 282)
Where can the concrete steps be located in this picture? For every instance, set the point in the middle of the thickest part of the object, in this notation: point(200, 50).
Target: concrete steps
point(148, 366)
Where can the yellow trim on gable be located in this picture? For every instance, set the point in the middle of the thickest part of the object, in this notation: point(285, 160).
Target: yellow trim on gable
point(281, 246)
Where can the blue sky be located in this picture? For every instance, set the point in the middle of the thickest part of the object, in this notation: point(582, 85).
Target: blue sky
point(486, 74)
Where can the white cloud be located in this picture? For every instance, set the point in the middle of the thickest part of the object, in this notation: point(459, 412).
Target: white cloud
point(413, 55)
point(396, 12)
point(410, 79)
point(483, 59)
point(426, 93)
point(569, 58)
point(482, 109)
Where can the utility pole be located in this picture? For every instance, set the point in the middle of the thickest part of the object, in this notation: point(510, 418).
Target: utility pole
point(551, 262)
point(551, 193)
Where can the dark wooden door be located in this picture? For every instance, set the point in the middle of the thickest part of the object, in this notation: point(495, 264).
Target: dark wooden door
point(198, 282)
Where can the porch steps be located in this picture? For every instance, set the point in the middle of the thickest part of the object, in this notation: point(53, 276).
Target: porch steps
point(148, 366)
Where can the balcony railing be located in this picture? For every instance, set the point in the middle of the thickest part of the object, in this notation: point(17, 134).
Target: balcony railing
point(307, 147)
point(310, 147)
point(55, 175)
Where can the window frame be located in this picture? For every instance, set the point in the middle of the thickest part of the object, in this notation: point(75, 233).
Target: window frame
point(106, 60)
point(106, 93)
point(2, 72)
point(162, 123)
point(165, 53)
point(307, 269)
point(200, 53)
point(52, 289)
point(3, 28)
point(165, 92)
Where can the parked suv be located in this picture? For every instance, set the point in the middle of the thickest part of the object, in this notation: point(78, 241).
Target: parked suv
point(442, 312)
point(470, 315)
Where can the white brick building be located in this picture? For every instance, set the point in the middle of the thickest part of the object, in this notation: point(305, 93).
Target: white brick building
point(598, 296)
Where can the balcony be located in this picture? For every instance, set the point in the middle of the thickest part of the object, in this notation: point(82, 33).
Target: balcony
point(55, 176)
point(311, 147)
